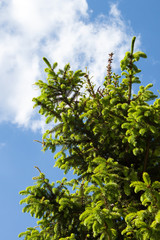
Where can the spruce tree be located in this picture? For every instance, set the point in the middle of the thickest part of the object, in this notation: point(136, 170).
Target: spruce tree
point(110, 138)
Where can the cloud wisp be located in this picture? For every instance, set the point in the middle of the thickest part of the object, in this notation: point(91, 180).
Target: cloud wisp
point(2, 145)
point(62, 32)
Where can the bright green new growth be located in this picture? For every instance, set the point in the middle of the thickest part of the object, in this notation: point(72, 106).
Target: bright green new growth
point(111, 140)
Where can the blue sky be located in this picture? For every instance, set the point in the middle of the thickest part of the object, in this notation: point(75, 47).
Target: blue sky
point(81, 32)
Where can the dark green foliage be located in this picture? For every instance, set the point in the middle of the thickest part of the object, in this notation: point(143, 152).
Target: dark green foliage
point(110, 138)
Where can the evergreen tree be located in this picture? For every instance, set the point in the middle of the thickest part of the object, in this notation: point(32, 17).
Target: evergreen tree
point(110, 138)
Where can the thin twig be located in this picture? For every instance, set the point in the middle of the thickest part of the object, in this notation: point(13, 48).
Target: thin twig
point(146, 157)
point(109, 68)
point(38, 169)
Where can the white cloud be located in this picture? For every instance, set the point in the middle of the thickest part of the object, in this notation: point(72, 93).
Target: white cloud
point(62, 32)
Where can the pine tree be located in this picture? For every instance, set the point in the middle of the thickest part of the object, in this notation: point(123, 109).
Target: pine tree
point(110, 138)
